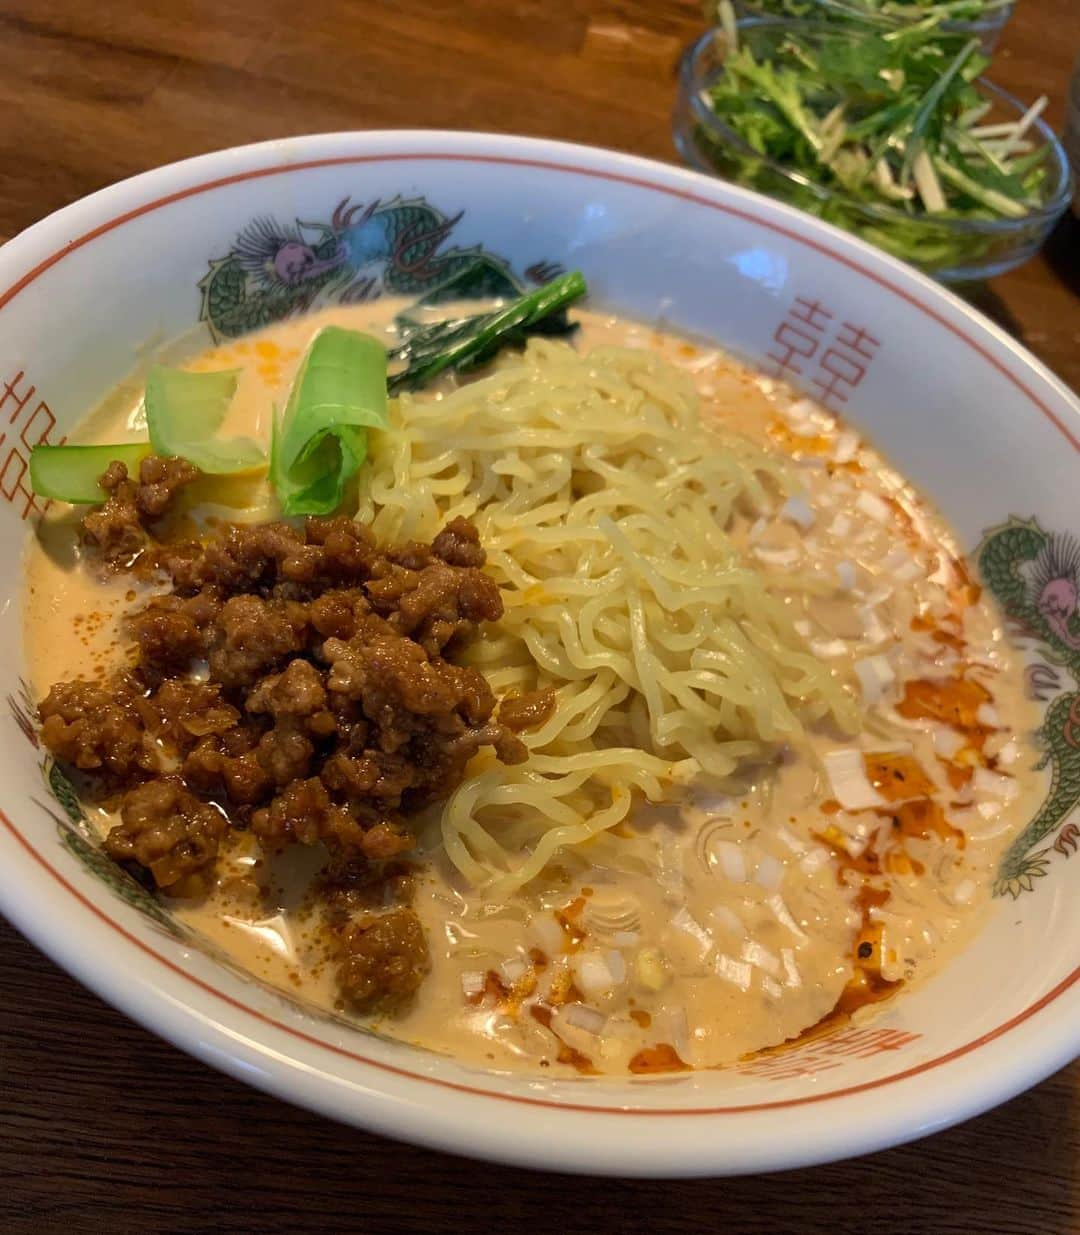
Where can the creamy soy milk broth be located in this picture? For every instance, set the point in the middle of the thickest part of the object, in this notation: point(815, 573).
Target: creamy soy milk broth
point(731, 918)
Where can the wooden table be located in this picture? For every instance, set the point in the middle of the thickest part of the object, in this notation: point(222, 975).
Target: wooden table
point(105, 1128)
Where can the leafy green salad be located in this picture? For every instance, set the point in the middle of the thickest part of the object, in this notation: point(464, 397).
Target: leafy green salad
point(889, 13)
point(885, 134)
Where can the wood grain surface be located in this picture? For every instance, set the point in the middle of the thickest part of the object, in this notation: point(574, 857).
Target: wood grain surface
point(105, 1128)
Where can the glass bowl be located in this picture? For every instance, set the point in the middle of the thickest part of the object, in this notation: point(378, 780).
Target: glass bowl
point(987, 29)
point(951, 249)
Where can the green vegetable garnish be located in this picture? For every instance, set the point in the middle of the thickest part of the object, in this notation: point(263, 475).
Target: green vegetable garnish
point(321, 440)
point(888, 14)
point(465, 342)
point(885, 134)
point(185, 410)
point(71, 473)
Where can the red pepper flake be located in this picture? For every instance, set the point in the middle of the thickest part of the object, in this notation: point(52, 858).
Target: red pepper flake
point(952, 701)
point(582, 1063)
point(659, 1058)
point(897, 776)
point(924, 818)
point(567, 918)
point(494, 986)
point(958, 774)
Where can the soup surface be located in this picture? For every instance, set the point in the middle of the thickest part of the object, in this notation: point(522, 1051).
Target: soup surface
point(815, 877)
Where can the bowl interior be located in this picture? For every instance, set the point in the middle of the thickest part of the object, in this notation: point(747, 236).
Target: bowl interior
point(975, 423)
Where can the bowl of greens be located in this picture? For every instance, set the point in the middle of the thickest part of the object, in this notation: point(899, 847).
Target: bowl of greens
point(983, 19)
point(896, 138)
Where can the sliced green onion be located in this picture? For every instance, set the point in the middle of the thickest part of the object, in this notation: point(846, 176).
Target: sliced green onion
point(71, 473)
point(184, 411)
point(321, 440)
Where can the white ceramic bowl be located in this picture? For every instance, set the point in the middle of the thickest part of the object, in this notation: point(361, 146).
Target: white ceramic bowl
point(979, 424)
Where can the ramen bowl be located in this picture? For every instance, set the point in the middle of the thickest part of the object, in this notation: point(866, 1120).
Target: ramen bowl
point(977, 423)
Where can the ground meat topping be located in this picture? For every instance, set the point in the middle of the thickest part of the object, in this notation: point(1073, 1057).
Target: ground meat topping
point(118, 528)
point(529, 711)
point(296, 683)
point(167, 830)
point(385, 960)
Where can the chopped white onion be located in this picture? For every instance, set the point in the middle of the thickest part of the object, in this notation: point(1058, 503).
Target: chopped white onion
point(989, 810)
point(755, 953)
point(1002, 787)
point(877, 508)
point(847, 445)
point(986, 714)
point(591, 973)
point(783, 915)
point(701, 362)
point(770, 872)
point(791, 970)
point(963, 893)
point(875, 676)
point(875, 631)
point(851, 786)
point(738, 973)
point(771, 988)
point(670, 869)
point(814, 861)
point(473, 982)
point(797, 510)
point(845, 575)
point(548, 933)
point(1009, 753)
point(616, 963)
point(731, 859)
point(802, 409)
point(827, 649)
point(726, 919)
point(947, 742)
point(803, 627)
point(806, 428)
point(671, 1024)
point(580, 1017)
point(777, 557)
point(513, 969)
point(840, 526)
point(790, 839)
point(684, 921)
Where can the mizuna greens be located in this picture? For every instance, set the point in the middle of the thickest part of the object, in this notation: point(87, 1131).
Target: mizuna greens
point(881, 13)
point(884, 134)
point(319, 441)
